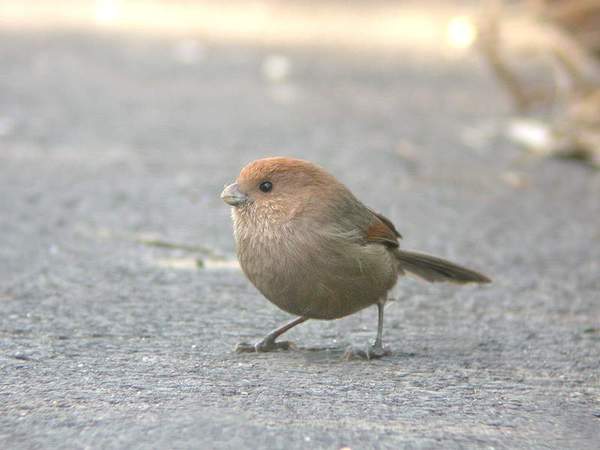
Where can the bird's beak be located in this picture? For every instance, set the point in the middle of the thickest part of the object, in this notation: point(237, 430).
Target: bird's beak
point(233, 196)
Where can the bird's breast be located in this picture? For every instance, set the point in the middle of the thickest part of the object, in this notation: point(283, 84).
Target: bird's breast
point(312, 274)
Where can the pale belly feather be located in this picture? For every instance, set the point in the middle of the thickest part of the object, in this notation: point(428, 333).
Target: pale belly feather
point(323, 281)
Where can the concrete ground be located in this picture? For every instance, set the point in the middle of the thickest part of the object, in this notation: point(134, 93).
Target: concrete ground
point(120, 302)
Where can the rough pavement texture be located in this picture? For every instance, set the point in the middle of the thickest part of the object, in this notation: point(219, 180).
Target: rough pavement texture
point(110, 340)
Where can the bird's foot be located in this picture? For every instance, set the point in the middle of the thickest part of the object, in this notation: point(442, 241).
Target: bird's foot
point(264, 346)
point(366, 353)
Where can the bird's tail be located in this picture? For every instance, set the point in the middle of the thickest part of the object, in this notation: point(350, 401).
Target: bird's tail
point(435, 269)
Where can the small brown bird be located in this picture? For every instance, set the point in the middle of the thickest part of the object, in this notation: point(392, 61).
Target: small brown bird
point(315, 251)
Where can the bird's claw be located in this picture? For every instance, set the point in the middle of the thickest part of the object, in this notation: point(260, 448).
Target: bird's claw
point(264, 346)
point(368, 353)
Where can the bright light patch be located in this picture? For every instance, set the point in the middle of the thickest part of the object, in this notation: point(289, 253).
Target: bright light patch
point(461, 32)
point(187, 263)
point(107, 12)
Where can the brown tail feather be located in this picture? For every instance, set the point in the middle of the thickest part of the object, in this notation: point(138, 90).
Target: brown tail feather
point(435, 269)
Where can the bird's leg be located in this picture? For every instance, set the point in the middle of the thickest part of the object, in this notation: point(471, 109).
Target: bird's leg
point(268, 343)
point(377, 350)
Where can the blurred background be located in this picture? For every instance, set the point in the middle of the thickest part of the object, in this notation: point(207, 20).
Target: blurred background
point(474, 126)
point(162, 102)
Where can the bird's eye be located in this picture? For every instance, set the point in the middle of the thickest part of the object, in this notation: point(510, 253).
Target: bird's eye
point(266, 186)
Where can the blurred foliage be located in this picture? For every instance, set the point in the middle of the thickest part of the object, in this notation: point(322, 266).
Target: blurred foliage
point(562, 39)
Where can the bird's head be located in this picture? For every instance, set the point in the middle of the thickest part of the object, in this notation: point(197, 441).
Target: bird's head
point(279, 188)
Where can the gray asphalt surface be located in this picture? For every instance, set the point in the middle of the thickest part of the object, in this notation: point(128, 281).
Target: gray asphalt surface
point(111, 146)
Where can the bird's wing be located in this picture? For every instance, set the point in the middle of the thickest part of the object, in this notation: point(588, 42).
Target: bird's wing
point(382, 230)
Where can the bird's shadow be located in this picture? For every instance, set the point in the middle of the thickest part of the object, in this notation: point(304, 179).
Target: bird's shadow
point(343, 354)
point(332, 354)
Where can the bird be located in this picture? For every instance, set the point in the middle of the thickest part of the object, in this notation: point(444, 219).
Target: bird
point(317, 252)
